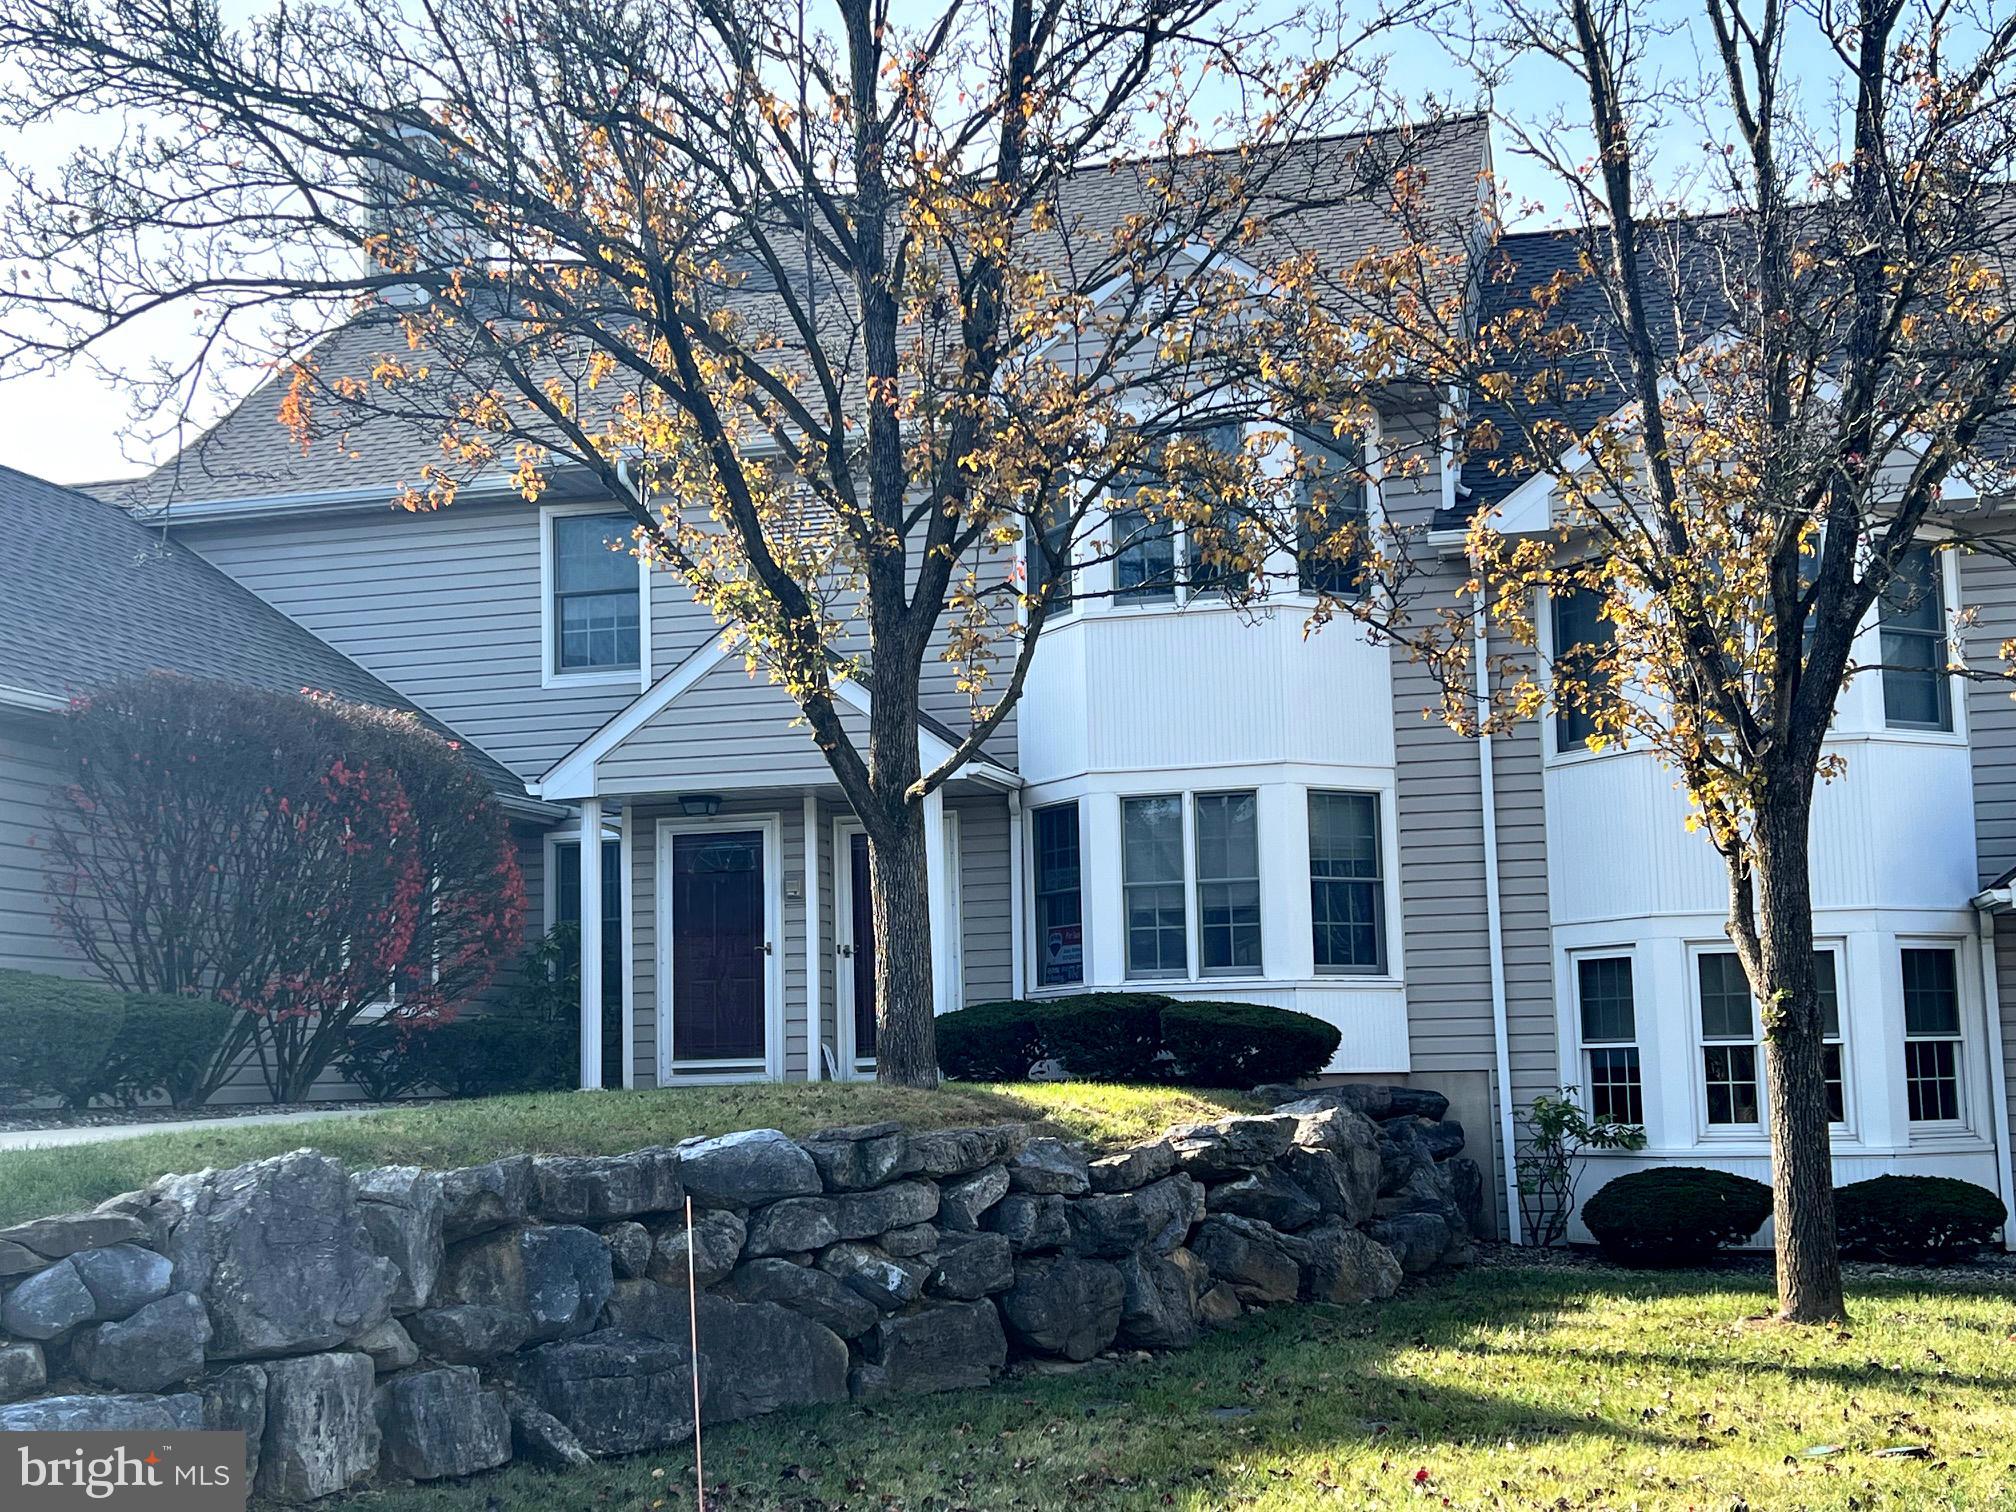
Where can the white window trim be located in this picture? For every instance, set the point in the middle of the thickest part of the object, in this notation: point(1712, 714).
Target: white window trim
point(1750, 1133)
point(550, 674)
point(693, 1073)
point(1869, 635)
point(1183, 797)
point(1579, 1047)
point(1963, 1043)
point(1381, 802)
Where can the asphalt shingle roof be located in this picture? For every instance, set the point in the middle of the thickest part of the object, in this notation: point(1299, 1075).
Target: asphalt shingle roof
point(92, 594)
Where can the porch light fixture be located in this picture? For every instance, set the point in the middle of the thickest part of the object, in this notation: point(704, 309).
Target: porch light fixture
point(699, 805)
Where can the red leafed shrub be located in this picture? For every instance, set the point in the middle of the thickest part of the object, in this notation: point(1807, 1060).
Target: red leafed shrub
point(305, 860)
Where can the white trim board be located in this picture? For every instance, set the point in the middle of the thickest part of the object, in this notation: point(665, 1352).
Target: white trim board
point(550, 674)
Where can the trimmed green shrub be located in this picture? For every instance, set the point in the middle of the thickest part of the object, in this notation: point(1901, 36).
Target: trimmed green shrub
point(1106, 1036)
point(56, 1036)
point(1245, 1044)
point(1676, 1215)
point(1135, 1037)
point(1924, 1220)
point(991, 1041)
point(383, 1063)
point(168, 1045)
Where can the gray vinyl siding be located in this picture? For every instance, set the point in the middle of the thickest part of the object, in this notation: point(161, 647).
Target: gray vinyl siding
point(986, 938)
point(28, 773)
point(445, 607)
point(1988, 589)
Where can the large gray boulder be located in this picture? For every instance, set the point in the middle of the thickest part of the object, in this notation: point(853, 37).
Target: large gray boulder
point(719, 1237)
point(123, 1278)
point(1064, 1306)
point(54, 1238)
point(616, 1393)
point(234, 1401)
point(746, 1169)
point(1266, 1196)
point(912, 1241)
point(1173, 1206)
point(1418, 1239)
point(1341, 1264)
point(862, 1215)
point(629, 1246)
point(649, 1310)
point(875, 1275)
point(1050, 1167)
point(1254, 1260)
point(796, 1226)
point(540, 1438)
point(598, 1188)
point(104, 1414)
point(402, 1208)
point(321, 1434)
point(765, 1357)
point(1158, 1307)
point(1340, 1187)
point(1230, 1147)
point(1030, 1224)
point(23, 1369)
point(1111, 1225)
point(159, 1346)
point(436, 1423)
point(477, 1198)
point(825, 1299)
point(1134, 1167)
point(971, 1266)
point(556, 1278)
point(1440, 1137)
point(18, 1260)
point(960, 1152)
point(279, 1255)
point(946, 1347)
point(963, 1201)
point(851, 1160)
point(48, 1304)
point(461, 1334)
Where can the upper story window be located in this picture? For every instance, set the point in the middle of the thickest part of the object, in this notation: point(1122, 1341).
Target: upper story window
point(1156, 559)
point(1932, 1034)
point(1330, 516)
point(1056, 538)
point(1228, 884)
point(1609, 1016)
point(1917, 690)
point(1144, 561)
point(1060, 907)
point(1581, 637)
point(596, 611)
point(1346, 888)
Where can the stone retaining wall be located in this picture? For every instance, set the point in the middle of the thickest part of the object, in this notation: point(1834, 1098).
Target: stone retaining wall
point(403, 1324)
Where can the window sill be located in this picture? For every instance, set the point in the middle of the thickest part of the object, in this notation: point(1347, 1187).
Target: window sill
point(1214, 984)
point(613, 677)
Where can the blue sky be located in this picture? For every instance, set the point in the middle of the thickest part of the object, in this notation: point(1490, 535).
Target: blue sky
point(75, 425)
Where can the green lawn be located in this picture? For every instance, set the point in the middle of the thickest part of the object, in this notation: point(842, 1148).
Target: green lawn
point(35, 1182)
point(1500, 1388)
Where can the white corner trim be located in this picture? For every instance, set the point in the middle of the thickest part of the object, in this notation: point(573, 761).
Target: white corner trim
point(572, 777)
point(550, 675)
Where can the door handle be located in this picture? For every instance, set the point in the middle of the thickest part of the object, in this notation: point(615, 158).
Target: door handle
point(765, 948)
point(845, 952)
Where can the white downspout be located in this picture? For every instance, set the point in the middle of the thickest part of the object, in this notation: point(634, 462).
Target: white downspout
point(1501, 1033)
point(626, 849)
point(1998, 1075)
point(815, 950)
point(591, 944)
point(1017, 968)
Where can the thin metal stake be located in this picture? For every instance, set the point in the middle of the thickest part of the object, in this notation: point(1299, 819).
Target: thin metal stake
point(693, 1336)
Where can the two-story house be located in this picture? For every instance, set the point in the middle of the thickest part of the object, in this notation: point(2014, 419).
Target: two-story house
point(1211, 800)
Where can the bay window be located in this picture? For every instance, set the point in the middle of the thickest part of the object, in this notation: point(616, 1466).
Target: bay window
point(1609, 1018)
point(1347, 894)
point(1060, 908)
point(1153, 906)
point(1932, 1040)
point(1228, 884)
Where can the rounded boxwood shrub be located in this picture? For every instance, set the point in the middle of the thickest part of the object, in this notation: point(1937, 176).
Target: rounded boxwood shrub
point(991, 1041)
point(56, 1036)
point(1106, 1036)
point(1675, 1215)
point(1245, 1044)
point(168, 1045)
point(1925, 1220)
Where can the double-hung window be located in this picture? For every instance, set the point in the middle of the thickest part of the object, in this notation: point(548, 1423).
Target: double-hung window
point(1581, 638)
point(1833, 1069)
point(1144, 562)
point(596, 614)
point(1152, 887)
point(1347, 894)
point(1610, 1039)
point(1932, 1038)
point(1728, 1042)
point(1154, 555)
point(1917, 691)
point(1330, 517)
point(1060, 908)
point(1055, 540)
point(1228, 884)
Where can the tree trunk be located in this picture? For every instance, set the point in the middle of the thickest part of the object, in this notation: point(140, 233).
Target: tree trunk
point(906, 1040)
point(1787, 991)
